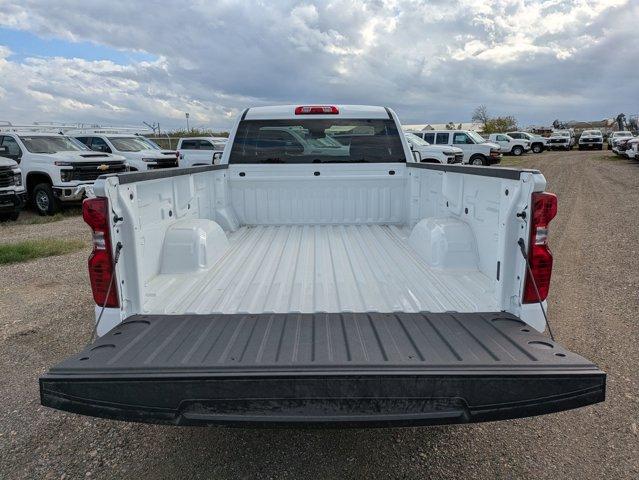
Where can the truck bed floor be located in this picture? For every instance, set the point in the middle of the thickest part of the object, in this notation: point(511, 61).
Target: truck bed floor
point(319, 268)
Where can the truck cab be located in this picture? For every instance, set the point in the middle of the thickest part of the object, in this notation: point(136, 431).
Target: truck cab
point(477, 151)
point(537, 142)
point(292, 287)
point(433, 153)
point(195, 151)
point(56, 169)
point(139, 152)
point(510, 144)
point(12, 193)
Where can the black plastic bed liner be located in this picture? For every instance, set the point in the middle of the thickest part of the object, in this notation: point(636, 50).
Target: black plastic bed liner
point(368, 369)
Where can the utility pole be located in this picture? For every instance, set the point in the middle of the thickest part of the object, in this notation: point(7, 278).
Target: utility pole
point(187, 122)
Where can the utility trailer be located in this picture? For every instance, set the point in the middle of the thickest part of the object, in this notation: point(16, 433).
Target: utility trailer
point(353, 288)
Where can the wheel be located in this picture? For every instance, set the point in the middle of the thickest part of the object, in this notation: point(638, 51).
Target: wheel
point(536, 148)
point(478, 160)
point(517, 151)
point(10, 216)
point(44, 200)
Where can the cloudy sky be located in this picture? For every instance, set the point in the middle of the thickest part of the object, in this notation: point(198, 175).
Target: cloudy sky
point(432, 61)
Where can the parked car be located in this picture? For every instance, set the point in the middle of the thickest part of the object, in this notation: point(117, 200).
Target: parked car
point(632, 150)
point(434, 153)
point(477, 151)
point(622, 145)
point(194, 151)
point(509, 144)
point(561, 139)
point(56, 169)
point(591, 139)
point(614, 137)
point(537, 142)
point(140, 152)
point(12, 193)
point(293, 287)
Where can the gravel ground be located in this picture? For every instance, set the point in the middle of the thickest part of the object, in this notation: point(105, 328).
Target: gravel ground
point(46, 310)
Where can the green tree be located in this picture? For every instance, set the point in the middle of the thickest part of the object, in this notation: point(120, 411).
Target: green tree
point(500, 124)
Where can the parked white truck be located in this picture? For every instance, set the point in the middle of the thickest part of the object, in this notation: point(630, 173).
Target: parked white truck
point(195, 151)
point(509, 144)
point(477, 151)
point(590, 139)
point(537, 142)
point(295, 288)
point(56, 169)
point(140, 152)
point(561, 139)
point(434, 153)
point(13, 196)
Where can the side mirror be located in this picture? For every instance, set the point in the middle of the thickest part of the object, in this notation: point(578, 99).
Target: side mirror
point(417, 156)
point(4, 150)
point(217, 156)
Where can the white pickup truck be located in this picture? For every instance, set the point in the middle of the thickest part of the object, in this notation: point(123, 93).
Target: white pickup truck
point(509, 144)
point(195, 151)
point(56, 169)
point(537, 142)
point(12, 193)
point(140, 152)
point(282, 287)
point(561, 139)
point(590, 139)
point(434, 153)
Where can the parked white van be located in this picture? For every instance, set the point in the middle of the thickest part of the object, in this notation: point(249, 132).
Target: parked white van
point(434, 153)
point(477, 151)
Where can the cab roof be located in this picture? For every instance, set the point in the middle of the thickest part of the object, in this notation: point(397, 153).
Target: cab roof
point(286, 112)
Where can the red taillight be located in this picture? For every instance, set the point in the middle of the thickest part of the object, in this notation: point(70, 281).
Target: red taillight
point(317, 110)
point(95, 212)
point(544, 209)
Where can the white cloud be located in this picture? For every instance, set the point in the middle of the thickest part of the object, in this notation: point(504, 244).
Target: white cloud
point(432, 61)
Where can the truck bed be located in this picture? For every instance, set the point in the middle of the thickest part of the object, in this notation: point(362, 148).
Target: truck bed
point(353, 369)
point(320, 268)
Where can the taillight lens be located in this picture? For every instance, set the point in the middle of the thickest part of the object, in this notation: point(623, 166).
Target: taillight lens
point(544, 209)
point(95, 212)
point(316, 110)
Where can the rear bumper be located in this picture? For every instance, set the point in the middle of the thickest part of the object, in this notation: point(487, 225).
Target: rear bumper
point(12, 201)
point(366, 401)
point(322, 369)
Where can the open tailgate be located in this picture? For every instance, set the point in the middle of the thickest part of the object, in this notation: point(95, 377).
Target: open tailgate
point(366, 369)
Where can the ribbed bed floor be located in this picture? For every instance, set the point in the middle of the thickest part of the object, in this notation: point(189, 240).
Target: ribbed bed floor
point(319, 268)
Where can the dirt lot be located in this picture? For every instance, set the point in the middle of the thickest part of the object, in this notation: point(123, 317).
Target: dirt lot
point(46, 311)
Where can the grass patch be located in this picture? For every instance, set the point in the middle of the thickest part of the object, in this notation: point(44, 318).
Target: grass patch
point(32, 249)
point(39, 219)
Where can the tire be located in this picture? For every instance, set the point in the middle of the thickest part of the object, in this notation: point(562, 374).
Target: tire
point(44, 200)
point(478, 159)
point(517, 151)
point(537, 148)
point(10, 216)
